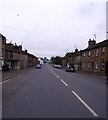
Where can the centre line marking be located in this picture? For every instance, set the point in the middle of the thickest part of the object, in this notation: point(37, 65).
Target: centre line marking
point(63, 82)
point(94, 114)
point(57, 76)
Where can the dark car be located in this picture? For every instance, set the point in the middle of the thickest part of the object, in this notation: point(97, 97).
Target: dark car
point(38, 66)
point(70, 68)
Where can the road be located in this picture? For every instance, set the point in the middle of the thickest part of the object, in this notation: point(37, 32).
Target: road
point(53, 93)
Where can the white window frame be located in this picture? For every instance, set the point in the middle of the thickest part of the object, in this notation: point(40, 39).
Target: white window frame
point(97, 51)
point(89, 53)
point(83, 65)
point(84, 54)
point(96, 65)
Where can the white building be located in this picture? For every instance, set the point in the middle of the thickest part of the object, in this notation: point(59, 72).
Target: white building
point(40, 60)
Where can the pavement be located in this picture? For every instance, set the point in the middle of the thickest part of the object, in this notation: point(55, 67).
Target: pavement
point(13, 73)
point(92, 74)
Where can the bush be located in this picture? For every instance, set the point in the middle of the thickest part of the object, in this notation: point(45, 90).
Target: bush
point(5, 67)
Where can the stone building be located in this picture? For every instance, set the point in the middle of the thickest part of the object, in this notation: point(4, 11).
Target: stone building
point(77, 59)
point(14, 56)
point(95, 57)
point(72, 58)
point(67, 59)
point(92, 59)
point(2, 50)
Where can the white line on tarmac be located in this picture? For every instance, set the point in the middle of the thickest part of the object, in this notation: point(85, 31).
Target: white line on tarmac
point(59, 78)
point(64, 82)
point(93, 113)
point(54, 73)
point(4, 81)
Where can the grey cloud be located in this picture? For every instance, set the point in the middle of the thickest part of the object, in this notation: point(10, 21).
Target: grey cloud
point(50, 28)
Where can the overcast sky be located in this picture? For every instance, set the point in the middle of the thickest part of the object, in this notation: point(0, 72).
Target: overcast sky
point(52, 27)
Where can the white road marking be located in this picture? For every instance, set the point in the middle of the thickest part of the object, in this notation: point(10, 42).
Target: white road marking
point(54, 73)
point(63, 82)
point(58, 77)
point(4, 81)
point(94, 114)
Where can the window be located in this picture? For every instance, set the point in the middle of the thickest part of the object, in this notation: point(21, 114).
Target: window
point(102, 65)
point(83, 54)
point(89, 53)
point(96, 66)
point(97, 52)
point(88, 65)
point(9, 55)
point(103, 50)
point(2, 42)
point(83, 65)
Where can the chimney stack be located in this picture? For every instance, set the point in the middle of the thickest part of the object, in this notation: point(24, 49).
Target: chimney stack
point(91, 42)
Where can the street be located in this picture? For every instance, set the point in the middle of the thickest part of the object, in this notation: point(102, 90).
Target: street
point(53, 93)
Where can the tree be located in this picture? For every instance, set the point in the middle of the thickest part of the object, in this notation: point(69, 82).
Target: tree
point(56, 60)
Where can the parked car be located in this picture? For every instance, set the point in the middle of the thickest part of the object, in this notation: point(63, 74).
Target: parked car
point(70, 68)
point(57, 66)
point(38, 66)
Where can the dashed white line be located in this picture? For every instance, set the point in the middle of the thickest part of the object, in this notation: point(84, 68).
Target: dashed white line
point(94, 114)
point(59, 78)
point(64, 82)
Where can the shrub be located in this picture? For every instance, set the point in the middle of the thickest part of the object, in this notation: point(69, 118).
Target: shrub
point(5, 67)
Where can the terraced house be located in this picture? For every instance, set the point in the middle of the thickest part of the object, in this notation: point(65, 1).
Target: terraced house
point(14, 56)
point(92, 59)
point(2, 50)
point(72, 58)
point(95, 57)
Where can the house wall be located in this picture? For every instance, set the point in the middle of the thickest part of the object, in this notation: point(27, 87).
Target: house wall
point(23, 60)
point(2, 50)
point(94, 60)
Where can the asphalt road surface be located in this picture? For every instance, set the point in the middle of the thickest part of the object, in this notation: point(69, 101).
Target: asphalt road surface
point(53, 93)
